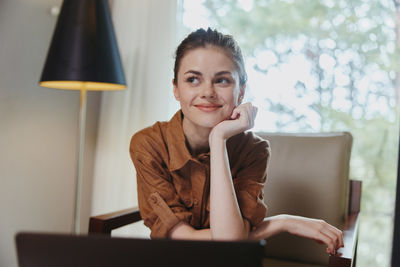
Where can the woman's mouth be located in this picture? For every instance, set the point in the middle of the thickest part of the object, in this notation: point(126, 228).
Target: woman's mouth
point(208, 107)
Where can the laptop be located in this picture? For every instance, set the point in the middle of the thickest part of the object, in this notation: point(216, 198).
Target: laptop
point(45, 250)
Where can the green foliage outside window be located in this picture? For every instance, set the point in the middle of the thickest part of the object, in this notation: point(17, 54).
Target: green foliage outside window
point(350, 49)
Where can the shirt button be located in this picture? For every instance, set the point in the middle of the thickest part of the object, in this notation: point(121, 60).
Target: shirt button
point(195, 202)
point(154, 199)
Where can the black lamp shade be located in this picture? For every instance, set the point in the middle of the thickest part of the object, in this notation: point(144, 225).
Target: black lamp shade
point(84, 51)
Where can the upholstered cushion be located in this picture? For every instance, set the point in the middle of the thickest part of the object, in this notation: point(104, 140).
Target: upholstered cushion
point(307, 176)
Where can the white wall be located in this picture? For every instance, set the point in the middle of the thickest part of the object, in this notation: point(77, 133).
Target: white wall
point(38, 131)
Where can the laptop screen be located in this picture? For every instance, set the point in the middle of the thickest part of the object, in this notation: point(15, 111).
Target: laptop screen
point(42, 249)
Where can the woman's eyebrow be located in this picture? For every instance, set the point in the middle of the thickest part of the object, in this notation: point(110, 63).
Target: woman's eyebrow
point(223, 73)
point(193, 72)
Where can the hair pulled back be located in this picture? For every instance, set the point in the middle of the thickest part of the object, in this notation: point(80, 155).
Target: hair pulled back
point(204, 38)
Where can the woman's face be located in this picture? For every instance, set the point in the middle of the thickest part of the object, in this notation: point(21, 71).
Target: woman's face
point(207, 87)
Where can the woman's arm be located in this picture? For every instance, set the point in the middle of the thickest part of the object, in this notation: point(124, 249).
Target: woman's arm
point(317, 230)
point(184, 230)
point(226, 221)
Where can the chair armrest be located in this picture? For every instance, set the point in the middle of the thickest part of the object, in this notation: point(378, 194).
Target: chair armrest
point(105, 223)
point(346, 255)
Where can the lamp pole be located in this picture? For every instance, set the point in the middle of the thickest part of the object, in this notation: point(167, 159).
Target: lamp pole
point(79, 172)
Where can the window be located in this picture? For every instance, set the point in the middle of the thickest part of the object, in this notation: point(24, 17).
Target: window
point(329, 65)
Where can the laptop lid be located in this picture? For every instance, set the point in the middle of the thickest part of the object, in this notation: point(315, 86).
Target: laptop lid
point(42, 249)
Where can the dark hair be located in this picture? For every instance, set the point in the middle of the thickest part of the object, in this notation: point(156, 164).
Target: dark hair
point(204, 38)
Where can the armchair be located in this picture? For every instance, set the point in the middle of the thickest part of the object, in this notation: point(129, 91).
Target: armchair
point(307, 176)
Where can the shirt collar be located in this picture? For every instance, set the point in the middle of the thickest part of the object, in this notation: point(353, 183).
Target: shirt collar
point(179, 155)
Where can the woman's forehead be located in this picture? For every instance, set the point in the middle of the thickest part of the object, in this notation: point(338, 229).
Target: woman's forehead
point(207, 58)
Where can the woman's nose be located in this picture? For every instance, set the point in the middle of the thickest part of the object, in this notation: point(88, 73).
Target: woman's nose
point(208, 91)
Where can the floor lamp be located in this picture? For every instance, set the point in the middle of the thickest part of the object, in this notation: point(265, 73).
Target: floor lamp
point(84, 56)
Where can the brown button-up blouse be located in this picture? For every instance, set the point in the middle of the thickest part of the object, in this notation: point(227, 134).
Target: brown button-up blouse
point(174, 186)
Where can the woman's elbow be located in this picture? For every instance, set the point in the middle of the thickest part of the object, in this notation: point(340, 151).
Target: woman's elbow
point(238, 234)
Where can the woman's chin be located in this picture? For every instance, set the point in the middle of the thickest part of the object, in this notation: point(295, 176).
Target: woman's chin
point(206, 124)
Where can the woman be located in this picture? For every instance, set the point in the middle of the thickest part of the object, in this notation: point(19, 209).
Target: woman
point(201, 175)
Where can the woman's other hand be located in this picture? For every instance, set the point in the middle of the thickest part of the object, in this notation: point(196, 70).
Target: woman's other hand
point(318, 230)
point(242, 119)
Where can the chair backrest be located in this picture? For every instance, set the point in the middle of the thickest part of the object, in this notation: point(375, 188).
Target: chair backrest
point(308, 175)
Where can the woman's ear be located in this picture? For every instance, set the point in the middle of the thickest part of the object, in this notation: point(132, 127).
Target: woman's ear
point(176, 91)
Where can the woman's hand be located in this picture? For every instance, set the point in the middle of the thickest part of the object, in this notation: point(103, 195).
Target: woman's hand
point(318, 230)
point(242, 119)
point(314, 229)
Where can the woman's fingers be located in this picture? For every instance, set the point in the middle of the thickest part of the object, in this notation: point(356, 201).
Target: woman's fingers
point(246, 114)
point(331, 236)
point(336, 234)
point(317, 230)
point(241, 119)
point(327, 241)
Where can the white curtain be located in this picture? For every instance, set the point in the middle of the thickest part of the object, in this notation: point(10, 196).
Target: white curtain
point(146, 34)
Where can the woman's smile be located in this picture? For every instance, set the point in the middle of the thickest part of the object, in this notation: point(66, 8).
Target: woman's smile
point(208, 107)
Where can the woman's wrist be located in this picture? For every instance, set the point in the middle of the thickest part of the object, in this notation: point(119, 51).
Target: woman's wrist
point(284, 222)
point(270, 226)
point(216, 137)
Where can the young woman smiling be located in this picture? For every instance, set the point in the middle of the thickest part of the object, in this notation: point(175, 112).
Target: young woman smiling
point(201, 175)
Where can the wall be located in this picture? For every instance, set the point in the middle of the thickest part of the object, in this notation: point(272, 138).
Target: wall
point(38, 131)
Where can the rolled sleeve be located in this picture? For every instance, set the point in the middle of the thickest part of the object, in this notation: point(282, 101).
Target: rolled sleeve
point(159, 204)
point(166, 217)
point(249, 183)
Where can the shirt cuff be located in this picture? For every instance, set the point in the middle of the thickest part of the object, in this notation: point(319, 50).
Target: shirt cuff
point(167, 218)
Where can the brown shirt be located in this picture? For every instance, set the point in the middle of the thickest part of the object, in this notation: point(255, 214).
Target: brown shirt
point(174, 186)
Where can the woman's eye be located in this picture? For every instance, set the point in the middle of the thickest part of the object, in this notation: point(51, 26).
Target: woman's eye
point(222, 81)
point(193, 80)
